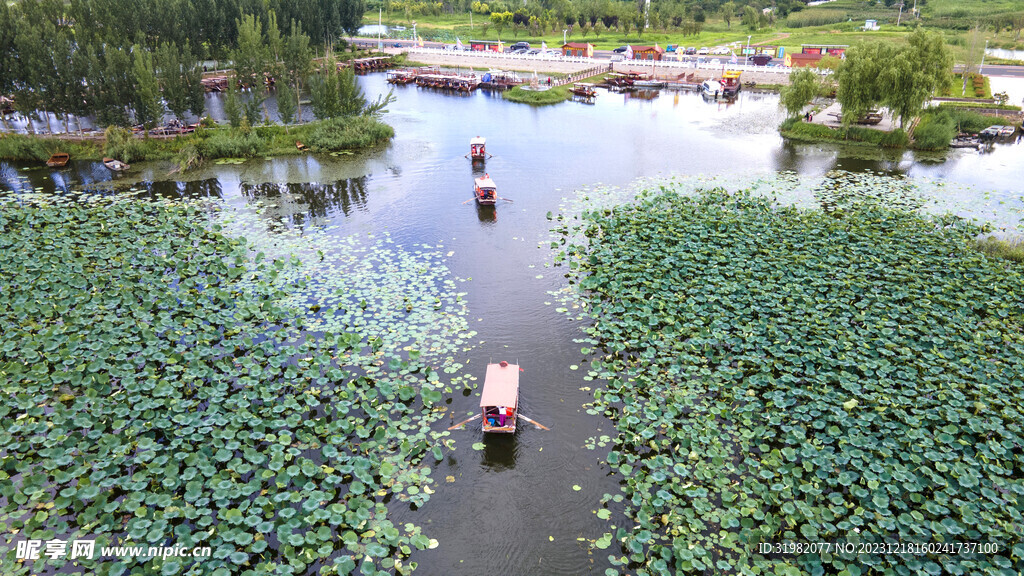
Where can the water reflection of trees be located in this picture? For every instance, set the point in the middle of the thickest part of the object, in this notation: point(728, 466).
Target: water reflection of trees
point(209, 188)
point(308, 204)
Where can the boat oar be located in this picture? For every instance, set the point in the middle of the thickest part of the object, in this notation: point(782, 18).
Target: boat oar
point(468, 201)
point(505, 199)
point(464, 422)
point(534, 422)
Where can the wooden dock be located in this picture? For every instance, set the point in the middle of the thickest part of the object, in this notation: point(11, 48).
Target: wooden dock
point(449, 81)
point(370, 64)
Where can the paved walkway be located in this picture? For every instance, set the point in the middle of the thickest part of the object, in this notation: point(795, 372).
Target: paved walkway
point(830, 117)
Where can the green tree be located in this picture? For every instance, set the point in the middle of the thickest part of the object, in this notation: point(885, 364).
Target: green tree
point(335, 93)
point(232, 108)
point(298, 61)
point(172, 79)
point(324, 92)
point(112, 84)
point(859, 90)
point(750, 18)
point(501, 20)
point(803, 85)
point(30, 92)
point(8, 56)
point(192, 75)
point(149, 109)
point(252, 55)
point(914, 73)
point(286, 103)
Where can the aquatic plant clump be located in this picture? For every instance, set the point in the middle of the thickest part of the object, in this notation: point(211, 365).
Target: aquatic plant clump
point(161, 387)
point(780, 375)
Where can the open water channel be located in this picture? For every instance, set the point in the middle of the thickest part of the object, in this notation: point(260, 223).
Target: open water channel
point(511, 508)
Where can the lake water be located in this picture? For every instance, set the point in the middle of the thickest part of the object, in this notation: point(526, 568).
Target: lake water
point(511, 507)
point(1005, 54)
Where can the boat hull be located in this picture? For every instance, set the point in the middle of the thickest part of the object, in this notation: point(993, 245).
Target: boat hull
point(508, 428)
point(58, 160)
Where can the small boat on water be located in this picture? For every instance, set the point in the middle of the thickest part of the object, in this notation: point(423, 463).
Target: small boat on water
point(965, 142)
point(404, 76)
point(989, 133)
point(58, 160)
point(584, 89)
point(711, 88)
point(485, 190)
point(1006, 130)
point(730, 82)
point(478, 148)
point(648, 84)
point(115, 165)
point(499, 400)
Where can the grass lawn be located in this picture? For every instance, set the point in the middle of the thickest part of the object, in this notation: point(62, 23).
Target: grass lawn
point(956, 88)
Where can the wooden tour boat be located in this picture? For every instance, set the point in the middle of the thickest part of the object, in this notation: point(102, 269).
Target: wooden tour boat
point(478, 148)
point(499, 401)
point(58, 160)
point(583, 89)
point(730, 82)
point(486, 192)
point(115, 165)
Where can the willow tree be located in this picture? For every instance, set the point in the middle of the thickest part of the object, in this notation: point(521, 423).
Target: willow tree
point(803, 85)
point(914, 73)
point(859, 89)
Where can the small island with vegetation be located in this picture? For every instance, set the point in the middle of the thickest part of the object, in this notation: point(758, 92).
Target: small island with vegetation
point(895, 80)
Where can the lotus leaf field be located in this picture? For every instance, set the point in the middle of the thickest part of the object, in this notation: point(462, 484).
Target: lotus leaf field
point(168, 382)
point(786, 375)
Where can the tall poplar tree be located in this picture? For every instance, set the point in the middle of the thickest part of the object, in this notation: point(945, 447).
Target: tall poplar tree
point(298, 61)
point(149, 108)
point(171, 78)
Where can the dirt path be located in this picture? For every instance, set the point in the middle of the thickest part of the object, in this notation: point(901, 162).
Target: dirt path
point(778, 36)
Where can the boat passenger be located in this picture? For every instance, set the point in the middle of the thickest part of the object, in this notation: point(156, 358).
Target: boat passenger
point(501, 415)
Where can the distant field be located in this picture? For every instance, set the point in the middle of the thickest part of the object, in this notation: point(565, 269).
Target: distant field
point(968, 9)
point(838, 22)
point(839, 11)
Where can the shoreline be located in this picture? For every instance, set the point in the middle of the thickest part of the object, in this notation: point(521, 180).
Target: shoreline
point(206, 144)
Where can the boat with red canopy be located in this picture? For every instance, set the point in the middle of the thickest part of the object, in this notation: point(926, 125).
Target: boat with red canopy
point(478, 148)
point(499, 401)
point(485, 190)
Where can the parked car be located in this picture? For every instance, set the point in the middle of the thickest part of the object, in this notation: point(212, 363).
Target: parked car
point(533, 52)
point(617, 58)
point(520, 51)
point(551, 53)
point(703, 51)
point(620, 49)
point(520, 45)
point(670, 48)
point(720, 51)
point(690, 51)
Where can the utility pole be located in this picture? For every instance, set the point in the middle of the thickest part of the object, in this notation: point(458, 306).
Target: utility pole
point(900, 16)
point(647, 11)
point(982, 67)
